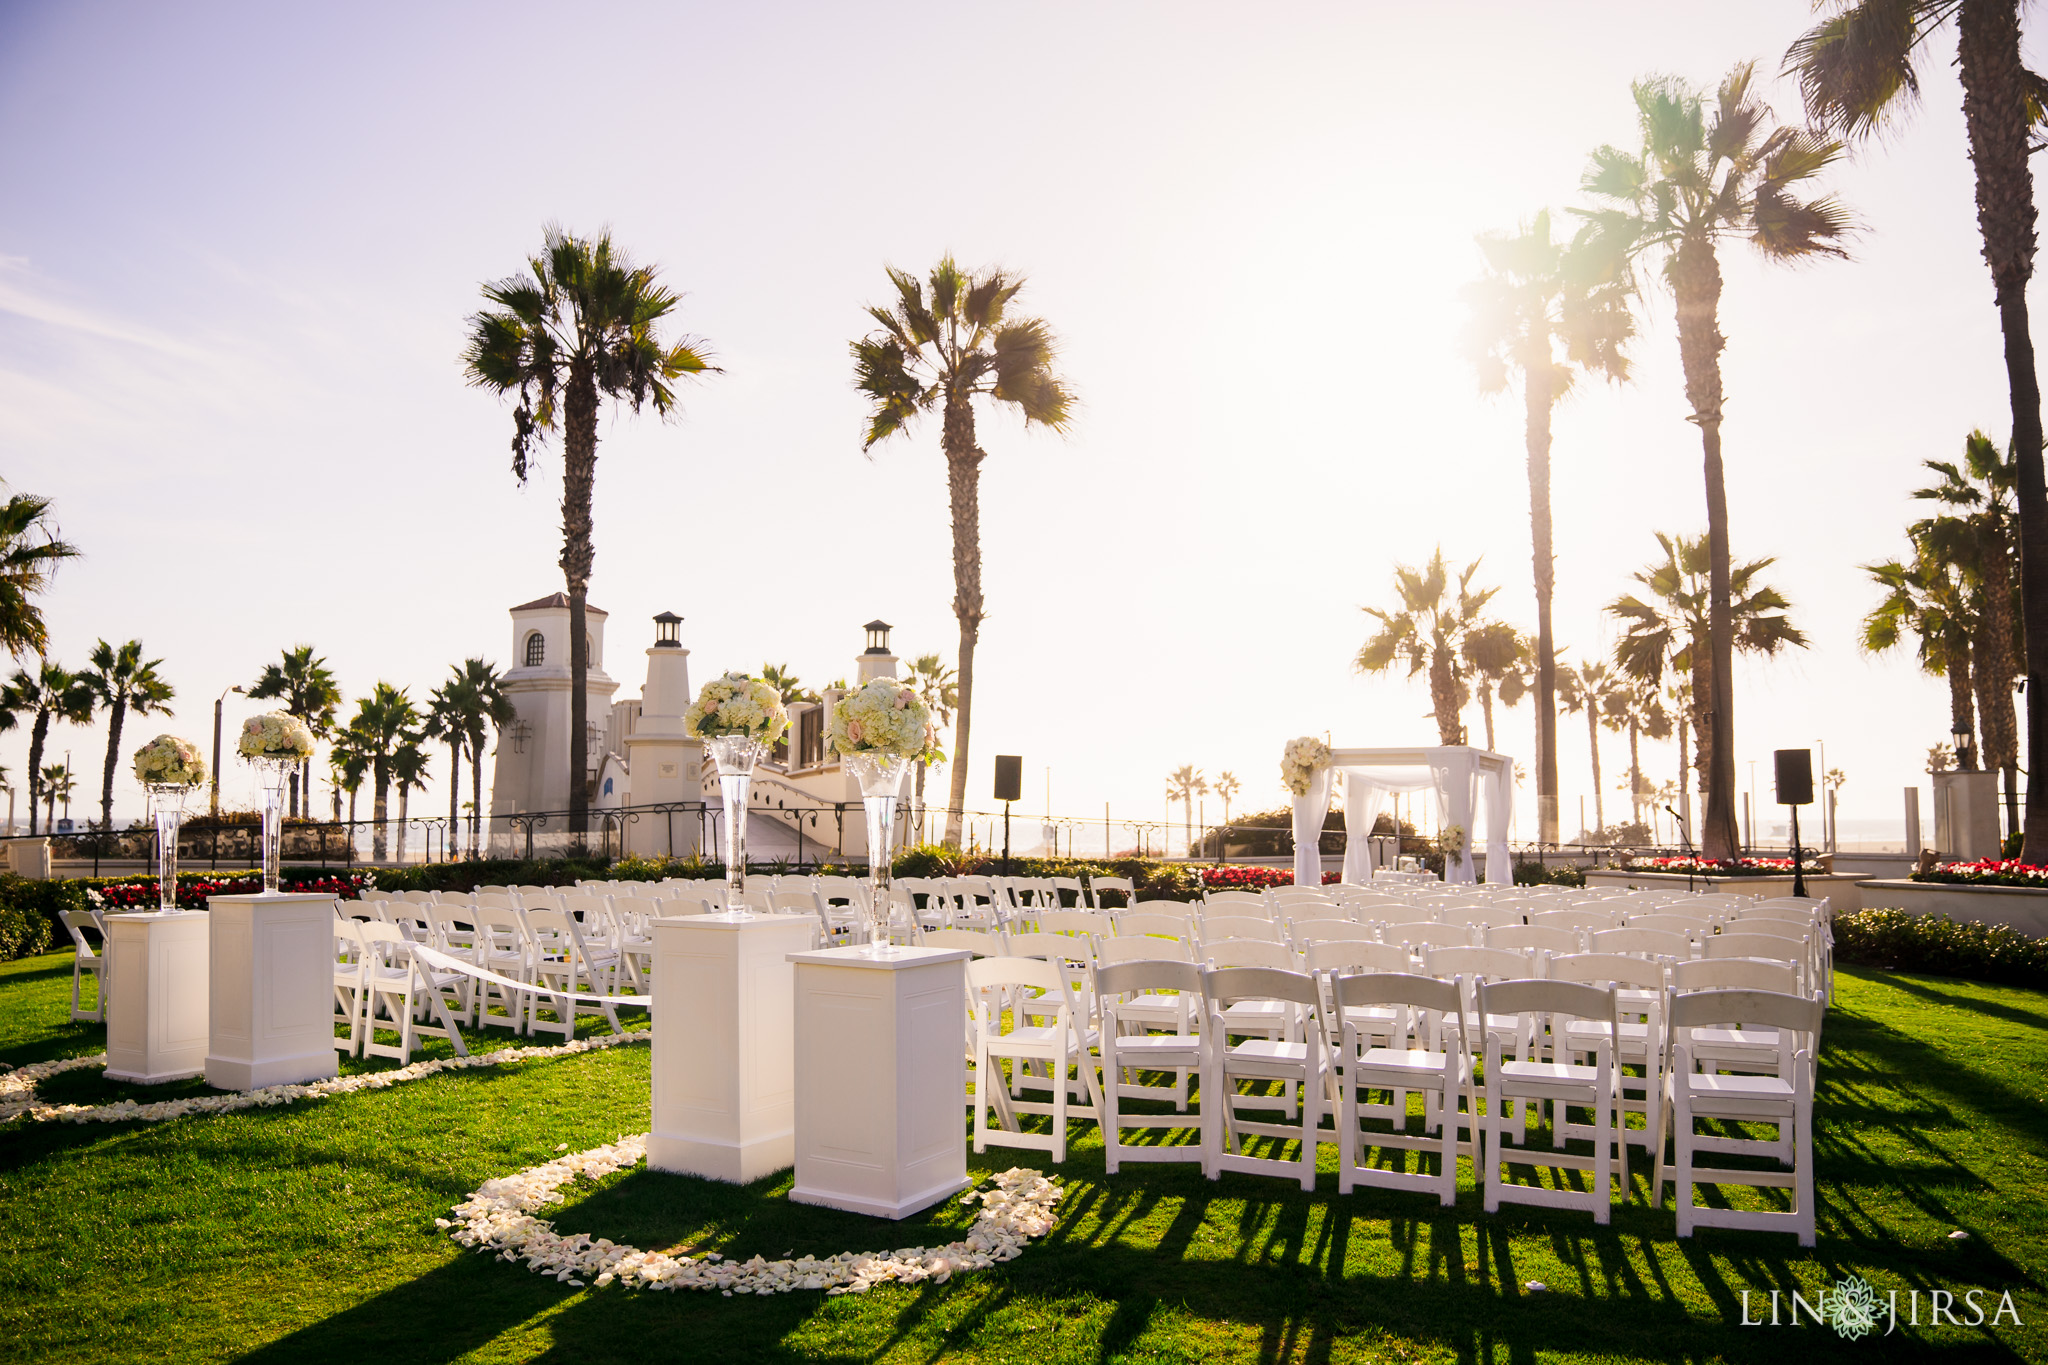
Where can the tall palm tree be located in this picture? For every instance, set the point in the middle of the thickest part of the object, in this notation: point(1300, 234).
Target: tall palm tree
point(447, 719)
point(483, 693)
point(58, 784)
point(1858, 74)
point(1638, 707)
point(1980, 534)
point(1703, 175)
point(1429, 630)
point(1925, 596)
point(308, 690)
point(1595, 690)
point(1227, 786)
point(1184, 784)
point(1501, 659)
point(944, 350)
point(581, 329)
point(29, 554)
point(122, 681)
point(408, 775)
point(348, 763)
point(383, 724)
point(940, 694)
point(50, 693)
point(1547, 311)
point(1672, 624)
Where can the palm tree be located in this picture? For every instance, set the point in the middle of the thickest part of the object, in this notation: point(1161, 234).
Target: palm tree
point(1430, 631)
point(383, 724)
point(941, 696)
point(447, 719)
point(1980, 536)
point(1546, 311)
point(1184, 784)
point(408, 774)
point(1857, 74)
point(1700, 177)
point(58, 784)
point(29, 555)
point(785, 682)
point(1679, 695)
point(122, 681)
point(943, 351)
point(1499, 657)
point(483, 692)
point(7, 785)
point(51, 693)
point(1927, 597)
point(1227, 786)
point(1591, 688)
point(348, 764)
point(308, 691)
point(1638, 707)
point(1672, 623)
point(581, 329)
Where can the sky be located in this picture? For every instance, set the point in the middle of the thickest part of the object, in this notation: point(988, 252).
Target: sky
point(241, 242)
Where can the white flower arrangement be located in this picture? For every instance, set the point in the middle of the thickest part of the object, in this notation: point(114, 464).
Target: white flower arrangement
point(1452, 841)
point(738, 705)
point(881, 716)
point(168, 761)
point(275, 735)
point(18, 1087)
point(499, 1217)
point(1301, 760)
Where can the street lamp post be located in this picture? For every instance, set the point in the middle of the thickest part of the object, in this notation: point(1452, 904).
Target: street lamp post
point(215, 802)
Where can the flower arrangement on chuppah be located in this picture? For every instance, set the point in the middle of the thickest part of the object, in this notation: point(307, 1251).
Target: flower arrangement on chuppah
point(168, 761)
point(169, 768)
point(880, 728)
point(275, 735)
point(1301, 760)
point(738, 705)
point(1452, 841)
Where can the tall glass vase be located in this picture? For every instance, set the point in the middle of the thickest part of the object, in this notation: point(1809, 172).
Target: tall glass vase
point(167, 804)
point(271, 772)
point(881, 786)
point(735, 756)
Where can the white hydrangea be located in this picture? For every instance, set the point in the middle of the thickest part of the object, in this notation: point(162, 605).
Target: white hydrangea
point(737, 704)
point(1301, 760)
point(168, 761)
point(881, 716)
point(275, 735)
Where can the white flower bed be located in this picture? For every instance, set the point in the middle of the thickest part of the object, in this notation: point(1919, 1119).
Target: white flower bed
point(500, 1217)
point(18, 1087)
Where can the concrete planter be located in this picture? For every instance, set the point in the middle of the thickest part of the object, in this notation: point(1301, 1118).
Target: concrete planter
point(1839, 888)
point(2024, 908)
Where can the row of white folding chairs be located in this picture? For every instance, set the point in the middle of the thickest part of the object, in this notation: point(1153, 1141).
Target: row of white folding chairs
point(1334, 1038)
point(377, 974)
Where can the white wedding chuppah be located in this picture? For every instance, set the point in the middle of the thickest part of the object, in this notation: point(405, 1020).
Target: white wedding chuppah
point(1466, 781)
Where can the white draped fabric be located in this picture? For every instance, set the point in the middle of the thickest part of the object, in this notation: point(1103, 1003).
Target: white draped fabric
point(1467, 783)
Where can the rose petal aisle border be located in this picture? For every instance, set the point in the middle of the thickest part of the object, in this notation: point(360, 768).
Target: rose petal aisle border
point(499, 1217)
point(18, 1087)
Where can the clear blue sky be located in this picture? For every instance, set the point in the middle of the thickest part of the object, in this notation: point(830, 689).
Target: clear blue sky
point(240, 241)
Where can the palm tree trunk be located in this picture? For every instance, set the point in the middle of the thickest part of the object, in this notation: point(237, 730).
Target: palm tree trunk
point(476, 797)
point(963, 486)
point(579, 476)
point(1684, 773)
point(380, 775)
point(1995, 89)
point(1486, 709)
point(1696, 283)
point(1443, 696)
point(454, 837)
point(1995, 666)
point(404, 806)
point(117, 713)
point(1593, 734)
point(1635, 771)
point(918, 801)
point(1538, 398)
point(1962, 716)
point(36, 737)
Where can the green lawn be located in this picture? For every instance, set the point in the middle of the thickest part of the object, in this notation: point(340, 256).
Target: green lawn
point(306, 1233)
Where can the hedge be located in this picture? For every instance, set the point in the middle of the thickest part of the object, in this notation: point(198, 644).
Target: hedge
point(1940, 946)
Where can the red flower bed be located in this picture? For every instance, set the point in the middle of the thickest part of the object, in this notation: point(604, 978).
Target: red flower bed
point(1246, 877)
point(139, 893)
point(1721, 867)
point(1988, 872)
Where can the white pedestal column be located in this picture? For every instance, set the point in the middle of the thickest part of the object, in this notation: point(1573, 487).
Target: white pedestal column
point(156, 996)
point(881, 1079)
point(272, 1018)
point(724, 1072)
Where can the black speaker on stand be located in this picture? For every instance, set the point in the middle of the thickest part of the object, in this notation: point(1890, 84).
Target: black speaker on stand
point(1795, 789)
point(1009, 787)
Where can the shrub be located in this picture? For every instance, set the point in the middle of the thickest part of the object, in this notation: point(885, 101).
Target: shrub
point(1537, 874)
point(23, 933)
point(1940, 946)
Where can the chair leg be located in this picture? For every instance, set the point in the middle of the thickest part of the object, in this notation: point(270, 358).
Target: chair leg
point(981, 1098)
point(1448, 1171)
point(1490, 1178)
point(1059, 1108)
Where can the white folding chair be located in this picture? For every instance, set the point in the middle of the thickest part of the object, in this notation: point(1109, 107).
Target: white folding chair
point(1784, 1100)
point(86, 962)
point(1543, 1072)
point(1299, 1062)
point(563, 961)
point(1164, 923)
point(1427, 1052)
point(1639, 989)
point(1520, 938)
point(351, 995)
point(1061, 1046)
point(1421, 934)
point(1241, 926)
point(401, 986)
point(1134, 1043)
point(1115, 886)
point(1235, 903)
point(1661, 944)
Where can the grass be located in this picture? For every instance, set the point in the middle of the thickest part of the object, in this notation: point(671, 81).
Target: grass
point(306, 1233)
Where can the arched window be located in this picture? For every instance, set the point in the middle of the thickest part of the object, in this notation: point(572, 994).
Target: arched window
point(536, 650)
point(589, 651)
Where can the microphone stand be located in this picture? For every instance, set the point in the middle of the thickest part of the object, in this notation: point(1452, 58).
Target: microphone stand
point(1798, 873)
point(1685, 835)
